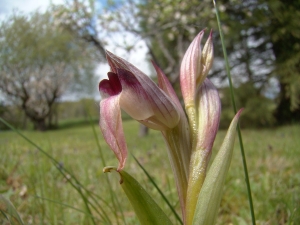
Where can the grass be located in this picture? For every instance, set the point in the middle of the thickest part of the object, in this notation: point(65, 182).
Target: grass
point(43, 196)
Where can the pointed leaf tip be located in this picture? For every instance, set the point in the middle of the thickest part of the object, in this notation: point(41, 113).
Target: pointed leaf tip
point(146, 209)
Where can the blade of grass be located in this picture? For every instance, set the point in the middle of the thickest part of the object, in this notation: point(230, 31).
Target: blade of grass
point(55, 163)
point(9, 211)
point(113, 198)
point(63, 204)
point(159, 191)
point(235, 111)
point(77, 186)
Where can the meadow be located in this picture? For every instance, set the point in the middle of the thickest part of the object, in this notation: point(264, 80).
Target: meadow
point(42, 194)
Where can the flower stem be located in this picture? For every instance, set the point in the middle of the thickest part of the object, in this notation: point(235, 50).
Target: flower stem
point(235, 111)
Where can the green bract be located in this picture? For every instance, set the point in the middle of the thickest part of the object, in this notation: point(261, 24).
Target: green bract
point(146, 209)
point(211, 191)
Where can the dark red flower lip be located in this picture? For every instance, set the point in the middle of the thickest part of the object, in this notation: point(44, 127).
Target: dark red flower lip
point(110, 86)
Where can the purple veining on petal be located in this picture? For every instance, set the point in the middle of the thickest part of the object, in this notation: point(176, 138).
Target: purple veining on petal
point(189, 69)
point(209, 106)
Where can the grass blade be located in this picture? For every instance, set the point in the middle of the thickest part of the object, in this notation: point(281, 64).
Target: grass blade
point(113, 198)
point(77, 187)
point(235, 111)
point(9, 212)
point(66, 205)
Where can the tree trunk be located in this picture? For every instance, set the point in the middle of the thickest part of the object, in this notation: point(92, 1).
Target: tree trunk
point(39, 124)
point(143, 131)
point(24, 123)
point(52, 118)
point(283, 113)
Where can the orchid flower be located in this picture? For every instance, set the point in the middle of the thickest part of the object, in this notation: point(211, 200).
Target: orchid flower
point(189, 134)
point(203, 107)
point(155, 106)
point(130, 89)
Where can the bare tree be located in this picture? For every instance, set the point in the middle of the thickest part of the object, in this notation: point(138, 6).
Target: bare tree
point(38, 63)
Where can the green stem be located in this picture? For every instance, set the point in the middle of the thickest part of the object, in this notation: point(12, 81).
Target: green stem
point(235, 111)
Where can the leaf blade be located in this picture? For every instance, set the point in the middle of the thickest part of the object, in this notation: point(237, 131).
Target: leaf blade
point(146, 209)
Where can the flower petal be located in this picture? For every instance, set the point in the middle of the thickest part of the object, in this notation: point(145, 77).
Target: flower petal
point(165, 85)
point(189, 70)
point(206, 60)
point(134, 100)
point(178, 141)
point(162, 105)
point(112, 129)
point(208, 110)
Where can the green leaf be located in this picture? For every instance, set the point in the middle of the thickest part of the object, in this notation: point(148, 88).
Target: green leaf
point(211, 192)
point(9, 212)
point(159, 191)
point(146, 209)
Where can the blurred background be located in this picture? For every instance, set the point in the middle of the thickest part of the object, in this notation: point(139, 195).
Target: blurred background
point(52, 54)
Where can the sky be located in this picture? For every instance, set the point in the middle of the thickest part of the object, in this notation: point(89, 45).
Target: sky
point(136, 57)
point(7, 6)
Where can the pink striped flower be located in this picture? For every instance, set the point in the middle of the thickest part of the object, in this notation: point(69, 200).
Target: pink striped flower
point(129, 89)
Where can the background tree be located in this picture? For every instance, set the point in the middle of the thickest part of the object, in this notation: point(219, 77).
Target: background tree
point(261, 36)
point(263, 41)
point(39, 62)
point(79, 18)
point(284, 30)
point(169, 26)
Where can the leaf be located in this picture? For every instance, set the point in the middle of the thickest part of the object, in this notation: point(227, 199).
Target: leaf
point(211, 192)
point(159, 191)
point(9, 212)
point(146, 209)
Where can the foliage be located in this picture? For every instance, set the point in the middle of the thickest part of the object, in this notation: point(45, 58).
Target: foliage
point(65, 114)
point(9, 212)
point(39, 62)
point(258, 111)
point(261, 38)
point(13, 115)
point(78, 18)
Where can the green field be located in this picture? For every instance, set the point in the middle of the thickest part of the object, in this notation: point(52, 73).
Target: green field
point(42, 195)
